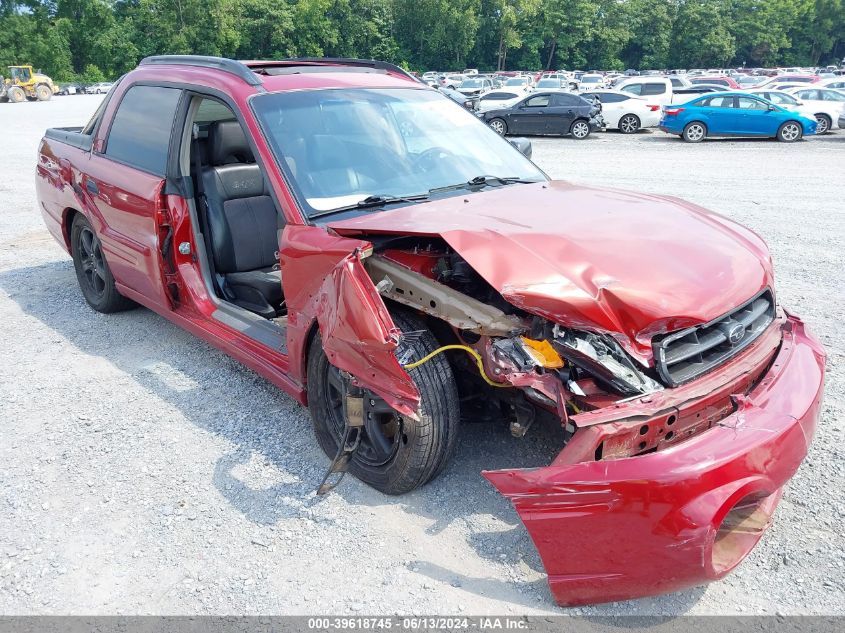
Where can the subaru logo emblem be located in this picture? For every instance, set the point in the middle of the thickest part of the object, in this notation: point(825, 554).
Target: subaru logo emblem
point(736, 333)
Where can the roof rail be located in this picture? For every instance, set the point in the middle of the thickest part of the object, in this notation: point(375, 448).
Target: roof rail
point(331, 61)
point(230, 66)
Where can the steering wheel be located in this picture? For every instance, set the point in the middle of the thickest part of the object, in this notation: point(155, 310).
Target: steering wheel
point(428, 159)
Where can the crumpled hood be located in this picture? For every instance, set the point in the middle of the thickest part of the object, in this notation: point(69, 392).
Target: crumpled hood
point(627, 263)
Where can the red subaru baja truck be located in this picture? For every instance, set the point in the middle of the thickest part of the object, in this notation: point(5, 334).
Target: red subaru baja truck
point(385, 258)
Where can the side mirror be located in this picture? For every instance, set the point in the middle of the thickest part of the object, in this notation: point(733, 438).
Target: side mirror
point(772, 108)
point(523, 145)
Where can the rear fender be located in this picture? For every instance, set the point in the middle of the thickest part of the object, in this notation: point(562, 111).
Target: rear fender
point(325, 282)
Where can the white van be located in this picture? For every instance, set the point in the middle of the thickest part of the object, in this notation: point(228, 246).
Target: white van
point(656, 89)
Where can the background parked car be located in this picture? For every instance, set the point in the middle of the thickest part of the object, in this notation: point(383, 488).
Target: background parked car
point(99, 88)
point(625, 112)
point(788, 102)
point(726, 82)
point(826, 102)
point(451, 81)
point(459, 98)
point(552, 83)
point(547, 113)
point(734, 114)
point(499, 99)
point(474, 86)
point(838, 83)
point(70, 89)
point(657, 89)
point(519, 82)
point(591, 81)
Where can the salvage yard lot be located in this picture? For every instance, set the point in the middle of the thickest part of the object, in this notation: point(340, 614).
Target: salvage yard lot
point(145, 472)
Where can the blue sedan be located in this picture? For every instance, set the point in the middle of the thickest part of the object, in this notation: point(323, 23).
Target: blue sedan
point(734, 114)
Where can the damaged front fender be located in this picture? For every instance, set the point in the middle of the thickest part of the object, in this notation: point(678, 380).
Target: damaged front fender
point(620, 529)
point(357, 331)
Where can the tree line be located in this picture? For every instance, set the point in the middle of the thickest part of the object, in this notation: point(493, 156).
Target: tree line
point(93, 40)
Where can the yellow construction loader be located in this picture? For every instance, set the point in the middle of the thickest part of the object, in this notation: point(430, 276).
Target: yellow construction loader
point(23, 83)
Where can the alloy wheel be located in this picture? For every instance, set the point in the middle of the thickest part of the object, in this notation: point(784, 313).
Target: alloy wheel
point(93, 264)
point(823, 124)
point(580, 129)
point(382, 424)
point(695, 132)
point(498, 126)
point(629, 124)
point(790, 132)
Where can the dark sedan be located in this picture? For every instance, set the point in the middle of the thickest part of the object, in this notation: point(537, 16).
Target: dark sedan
point(547, 113)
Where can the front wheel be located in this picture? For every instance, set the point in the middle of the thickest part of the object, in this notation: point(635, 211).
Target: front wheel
point(16, 94)
point(580, 130)
point(629, 124)
point(396, 453)
point(43, 93)
point(694, 132)
point(790, 132)
point(92, 271)
point(499, 126)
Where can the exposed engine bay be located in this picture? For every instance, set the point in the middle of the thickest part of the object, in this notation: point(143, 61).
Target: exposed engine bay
point(526, 366)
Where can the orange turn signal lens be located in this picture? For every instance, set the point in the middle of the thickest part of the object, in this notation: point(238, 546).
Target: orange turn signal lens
point(543, 353)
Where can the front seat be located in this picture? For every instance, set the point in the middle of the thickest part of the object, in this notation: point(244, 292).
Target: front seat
point(242, 221)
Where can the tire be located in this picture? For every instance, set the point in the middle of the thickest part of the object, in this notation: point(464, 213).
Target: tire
point(16, 94)
point(92, 272)
point(499, 126)
point(629, 124)
point(824, 124)
point(790, 132)
point(694, 132)
point(419, 450)
point(579, 129)
point(43, 92)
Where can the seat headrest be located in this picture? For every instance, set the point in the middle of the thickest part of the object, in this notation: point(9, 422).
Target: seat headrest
point(232, 182)
point(227, 144)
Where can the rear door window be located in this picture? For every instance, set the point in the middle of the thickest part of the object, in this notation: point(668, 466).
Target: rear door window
point(141, 129)
point(567, 100)
point(610, 97)
point(540, 101)
point(718, 102)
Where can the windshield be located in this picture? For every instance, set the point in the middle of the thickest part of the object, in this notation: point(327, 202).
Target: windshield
point(341, 147)
point(548, 83)
point(516, 82)
point(472, 83)
point(586, 79)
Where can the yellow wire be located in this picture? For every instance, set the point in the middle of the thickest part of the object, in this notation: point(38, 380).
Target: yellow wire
point(471, 351)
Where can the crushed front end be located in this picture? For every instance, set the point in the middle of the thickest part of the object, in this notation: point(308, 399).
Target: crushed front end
point(672, 464)
point(666, 491)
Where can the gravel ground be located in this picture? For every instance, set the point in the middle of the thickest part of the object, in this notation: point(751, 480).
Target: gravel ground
point(145, 472)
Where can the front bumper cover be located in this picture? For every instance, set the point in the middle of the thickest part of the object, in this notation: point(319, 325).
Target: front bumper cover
point(638, 526)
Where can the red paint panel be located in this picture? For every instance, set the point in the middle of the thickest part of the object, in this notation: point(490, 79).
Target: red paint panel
point(621, 529)
point(325, 280)
point(629, 263)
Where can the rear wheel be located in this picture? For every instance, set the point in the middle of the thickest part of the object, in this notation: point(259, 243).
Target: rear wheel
point(499, 126)
point(580, 130)
point(790, 132)
point(824, 123)
point(16, 94)
point(629, 124)
point(694, 132)
point(43, 93)
point(396, 453)
point(92, 271)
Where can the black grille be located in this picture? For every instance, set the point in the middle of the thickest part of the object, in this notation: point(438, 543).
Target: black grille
point(681, 356)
